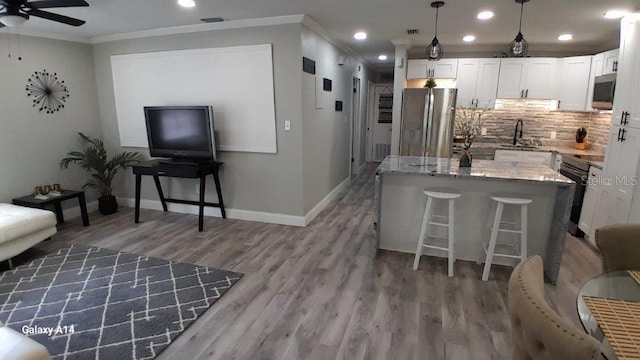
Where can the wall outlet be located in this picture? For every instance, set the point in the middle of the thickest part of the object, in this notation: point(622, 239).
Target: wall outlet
point(483, 131)
point(553, 135)
point(198, 189)
point(287, 125)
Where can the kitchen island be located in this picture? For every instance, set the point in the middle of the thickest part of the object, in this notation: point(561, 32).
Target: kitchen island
point(400, 202)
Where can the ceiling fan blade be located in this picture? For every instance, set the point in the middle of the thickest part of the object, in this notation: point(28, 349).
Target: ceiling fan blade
point(55, 17)
point(47, 4)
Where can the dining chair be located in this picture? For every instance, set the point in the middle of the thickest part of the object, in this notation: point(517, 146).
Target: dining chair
point(619, 245)
point(538, 331)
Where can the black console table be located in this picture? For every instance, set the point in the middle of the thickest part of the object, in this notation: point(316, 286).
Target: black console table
point(157, 168)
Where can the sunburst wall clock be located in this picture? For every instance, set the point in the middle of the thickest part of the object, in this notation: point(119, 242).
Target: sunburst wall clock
point(48, 91)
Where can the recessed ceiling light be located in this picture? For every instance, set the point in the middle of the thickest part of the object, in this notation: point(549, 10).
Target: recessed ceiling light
point(360, 35)
point(469, 38)
point(615, 14)
point(484, 15)
point(187, 3)
point(382, 57)
point(565, 37)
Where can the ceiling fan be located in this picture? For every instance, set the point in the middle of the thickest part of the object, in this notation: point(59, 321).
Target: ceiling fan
point(16, 12)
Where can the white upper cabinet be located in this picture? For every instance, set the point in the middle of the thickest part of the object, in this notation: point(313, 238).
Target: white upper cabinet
point(598, 64)
point(574, 83)
point(533, 78)
point(512, 78)
point(440, 69)
point(417, 69)
point(610, 62)
point(477, 81)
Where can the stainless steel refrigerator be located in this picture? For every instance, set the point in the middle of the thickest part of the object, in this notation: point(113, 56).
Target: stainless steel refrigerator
point(428, 118)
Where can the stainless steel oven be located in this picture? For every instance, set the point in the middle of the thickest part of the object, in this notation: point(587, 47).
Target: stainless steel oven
point(576, 168)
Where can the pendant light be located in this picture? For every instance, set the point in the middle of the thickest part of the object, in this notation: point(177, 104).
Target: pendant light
point(519, 47)
point(434, 50)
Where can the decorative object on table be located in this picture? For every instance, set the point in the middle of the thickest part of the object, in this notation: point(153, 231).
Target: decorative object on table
point(49, 93)
point(519, 46)
point(338, 105)
point(38, 190)
point(326, 84)
point(430, 84)
point(95, 160)
point(47, 189)
point(581, 138)
point(308, 66)
point(468, 125)
point(435, 50)
point(56, 187)
point(151, 301)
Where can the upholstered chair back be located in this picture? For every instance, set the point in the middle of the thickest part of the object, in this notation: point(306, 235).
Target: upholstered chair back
point(619, 245)
point(539, 333)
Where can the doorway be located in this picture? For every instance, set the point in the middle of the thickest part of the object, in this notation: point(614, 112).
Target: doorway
point(355, 125)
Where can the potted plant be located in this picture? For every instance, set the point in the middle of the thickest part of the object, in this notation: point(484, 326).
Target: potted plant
point(468, 125)
point(96, 162)
point(430, 84)
point(581, 138)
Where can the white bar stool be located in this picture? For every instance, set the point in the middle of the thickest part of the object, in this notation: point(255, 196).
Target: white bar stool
point(497, 222)
point(428, 219)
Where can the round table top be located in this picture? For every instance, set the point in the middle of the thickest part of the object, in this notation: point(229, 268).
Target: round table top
point(617, 285)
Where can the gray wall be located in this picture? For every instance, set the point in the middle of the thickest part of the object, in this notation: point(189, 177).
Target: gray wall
point(32, 143)
point(258, 182)
point(326, 133)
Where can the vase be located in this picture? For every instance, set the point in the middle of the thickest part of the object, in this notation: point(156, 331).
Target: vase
point(466, 158)
point(107, 205)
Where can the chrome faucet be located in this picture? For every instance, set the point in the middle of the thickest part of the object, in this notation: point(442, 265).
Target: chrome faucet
point(515, 135)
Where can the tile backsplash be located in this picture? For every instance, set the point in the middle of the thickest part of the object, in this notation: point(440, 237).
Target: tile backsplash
point(539, 122)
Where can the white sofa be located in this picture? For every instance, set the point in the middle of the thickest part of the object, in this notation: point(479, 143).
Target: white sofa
point(16, 346)
point(21, 228)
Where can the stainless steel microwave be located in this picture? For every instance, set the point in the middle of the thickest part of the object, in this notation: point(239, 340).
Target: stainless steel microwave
point(603, 91)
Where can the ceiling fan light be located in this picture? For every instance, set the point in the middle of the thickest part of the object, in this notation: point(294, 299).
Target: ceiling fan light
point(435, 50)
point(13, 20)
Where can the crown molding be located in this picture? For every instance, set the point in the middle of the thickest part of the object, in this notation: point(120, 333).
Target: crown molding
point(77, 39)
point(402, 42)
point(314, 26)
point(185, 29)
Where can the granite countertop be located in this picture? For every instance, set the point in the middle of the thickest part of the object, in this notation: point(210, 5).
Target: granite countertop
point(481, 169)
point(542, 148)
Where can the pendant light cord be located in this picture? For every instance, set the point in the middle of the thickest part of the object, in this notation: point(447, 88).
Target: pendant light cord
point(436, 32)
point(521, 11)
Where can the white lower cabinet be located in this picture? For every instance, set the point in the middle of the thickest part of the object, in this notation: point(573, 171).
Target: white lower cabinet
point(538, 157)
point(588, 221)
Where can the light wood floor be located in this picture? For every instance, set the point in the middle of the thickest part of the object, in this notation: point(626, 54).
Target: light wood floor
point(321, 292)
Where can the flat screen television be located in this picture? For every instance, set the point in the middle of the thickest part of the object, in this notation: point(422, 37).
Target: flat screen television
point(181, 133)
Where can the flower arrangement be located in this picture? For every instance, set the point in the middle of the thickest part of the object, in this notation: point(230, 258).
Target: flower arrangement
point(469, 124)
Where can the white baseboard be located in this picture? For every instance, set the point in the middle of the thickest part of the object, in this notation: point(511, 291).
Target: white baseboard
point(74, 212)
point(308, 218)
point(360, 169)
point(239, 214)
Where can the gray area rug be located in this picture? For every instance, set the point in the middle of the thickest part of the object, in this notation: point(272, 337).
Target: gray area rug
point(93, 303)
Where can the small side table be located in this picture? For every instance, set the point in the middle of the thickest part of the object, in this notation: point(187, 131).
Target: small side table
point(30, 201)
